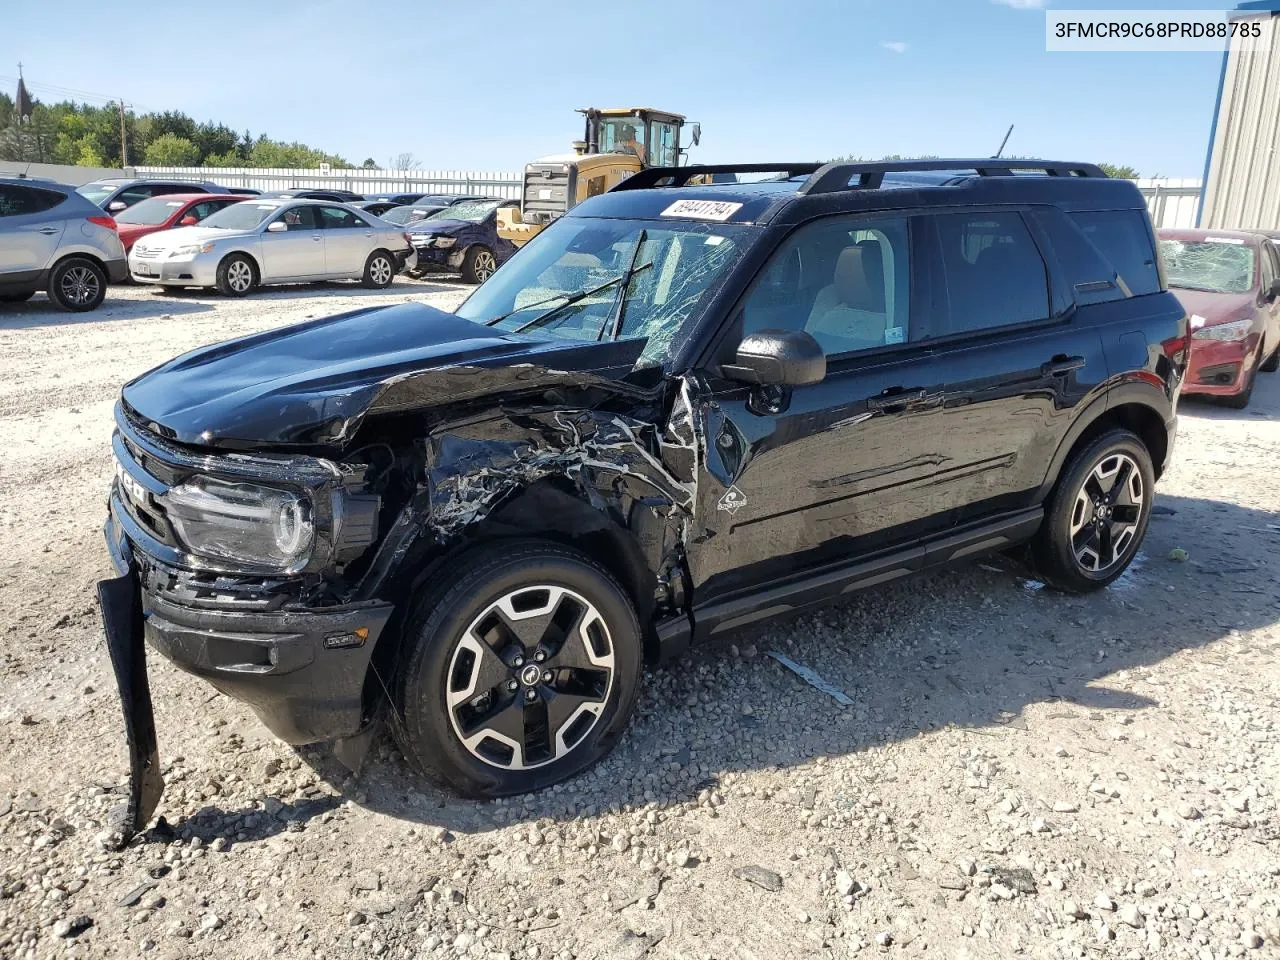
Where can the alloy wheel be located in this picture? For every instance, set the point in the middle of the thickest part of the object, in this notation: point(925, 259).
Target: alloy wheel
point(485, 265)
point(239, 276)
point(380, 271)
point(1107, 511)
point(80, 285)
point(530, 677)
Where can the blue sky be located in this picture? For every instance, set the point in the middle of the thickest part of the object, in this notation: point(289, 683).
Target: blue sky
point(491, 85)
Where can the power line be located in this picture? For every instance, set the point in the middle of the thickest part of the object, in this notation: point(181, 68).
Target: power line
point(68, 92)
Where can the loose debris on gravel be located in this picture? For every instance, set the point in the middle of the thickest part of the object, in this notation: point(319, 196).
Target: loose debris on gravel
point(1020, 773)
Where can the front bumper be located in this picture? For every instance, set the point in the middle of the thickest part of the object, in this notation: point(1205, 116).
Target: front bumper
point(301, 670)
point(431, 259)
point(1219, 369)
point(200, 271)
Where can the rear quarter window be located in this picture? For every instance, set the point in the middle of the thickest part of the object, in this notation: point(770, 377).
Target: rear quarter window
point(1124, 239)
point(19, 200)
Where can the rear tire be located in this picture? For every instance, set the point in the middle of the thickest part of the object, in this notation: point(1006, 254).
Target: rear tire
point(77, 284)
point(379, 270)
point(522, 672)
point(479, 264)
point(237, 275)
point(19, 297)
point(1097, 515)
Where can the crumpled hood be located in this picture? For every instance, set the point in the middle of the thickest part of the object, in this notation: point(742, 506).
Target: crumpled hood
point(439, 226)
point(311, 384)
point(1216, 307)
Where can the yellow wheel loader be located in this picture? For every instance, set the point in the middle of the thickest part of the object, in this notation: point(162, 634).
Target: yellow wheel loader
point(617, 142)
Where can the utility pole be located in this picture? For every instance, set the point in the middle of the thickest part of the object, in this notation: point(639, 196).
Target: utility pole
point(124, 147)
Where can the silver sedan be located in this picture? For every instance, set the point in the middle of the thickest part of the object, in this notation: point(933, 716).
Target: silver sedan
point(273, 241)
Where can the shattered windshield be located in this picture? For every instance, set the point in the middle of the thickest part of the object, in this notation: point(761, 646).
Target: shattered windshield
point(1212, 266)
point(589, 279)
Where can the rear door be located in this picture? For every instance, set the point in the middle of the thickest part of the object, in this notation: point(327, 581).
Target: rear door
point(348, 241)
point(30, 229)
point(1271, 306)
point(297, 252)
point(1015, 356)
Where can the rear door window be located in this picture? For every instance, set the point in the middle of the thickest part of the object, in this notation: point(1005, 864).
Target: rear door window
point(992, 270)
point(20, 200)
point(1124, 239)
point(335, 218)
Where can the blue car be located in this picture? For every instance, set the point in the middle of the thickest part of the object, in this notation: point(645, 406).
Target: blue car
point(462, 238)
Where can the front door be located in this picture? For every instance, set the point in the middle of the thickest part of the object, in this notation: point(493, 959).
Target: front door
point(348, 241)
point(297, 252)
point(798, 479)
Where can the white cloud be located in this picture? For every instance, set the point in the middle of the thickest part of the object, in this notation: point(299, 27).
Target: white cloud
point(1024, 4)
point(894, 46)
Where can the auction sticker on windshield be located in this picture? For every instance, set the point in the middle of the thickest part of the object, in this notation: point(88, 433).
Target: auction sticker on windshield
point(702, 209)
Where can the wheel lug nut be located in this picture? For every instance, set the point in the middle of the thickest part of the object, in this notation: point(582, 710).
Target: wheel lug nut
point(531, 694)
point(513, 685)
point(518, 661)
point(540, 655)
point(546, 676)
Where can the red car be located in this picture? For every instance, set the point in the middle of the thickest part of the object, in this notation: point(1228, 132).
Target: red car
point(170, 210)
point(1229, 282)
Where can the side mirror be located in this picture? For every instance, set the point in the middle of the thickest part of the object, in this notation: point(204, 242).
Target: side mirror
point(188, 221)
point(115, 206)
point(277, 226)
point(1273, 294)
point(782, 358)
point(695, 133)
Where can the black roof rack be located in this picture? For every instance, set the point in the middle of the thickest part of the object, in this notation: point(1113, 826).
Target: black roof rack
point(833, 177)
point(679, 176)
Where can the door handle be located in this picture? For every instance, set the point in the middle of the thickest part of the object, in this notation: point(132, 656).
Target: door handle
point(316, 237)
point(893, 397)
point(47, 231)
point(1061, 365)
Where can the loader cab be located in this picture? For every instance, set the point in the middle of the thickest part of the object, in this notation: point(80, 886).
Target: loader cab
point(616, 143)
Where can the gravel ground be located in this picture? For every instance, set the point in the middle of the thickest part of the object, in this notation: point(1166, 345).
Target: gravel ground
point(1021, 772)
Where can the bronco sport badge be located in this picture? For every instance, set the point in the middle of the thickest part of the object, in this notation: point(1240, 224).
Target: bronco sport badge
point(732, 500)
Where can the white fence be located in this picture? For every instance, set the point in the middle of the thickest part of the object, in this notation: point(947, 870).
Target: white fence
point(1173, 203)
point(359, 180)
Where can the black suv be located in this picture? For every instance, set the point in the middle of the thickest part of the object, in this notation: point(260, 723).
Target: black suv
point(679, 410)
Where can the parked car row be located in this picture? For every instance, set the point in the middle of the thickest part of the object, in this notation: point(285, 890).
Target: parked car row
point(1229, 283)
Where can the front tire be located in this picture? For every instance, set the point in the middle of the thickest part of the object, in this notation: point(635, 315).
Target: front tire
point(1097, 515)
point(1272, 363)
point(1238, 401)
point(479, 264)
point(522, 673)
point(379, 270)
point(237, 276)
point(77, 284)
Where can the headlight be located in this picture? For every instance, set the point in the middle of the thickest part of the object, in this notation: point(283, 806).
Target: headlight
point(444, 242)
point(190, 250)
point(242, 522)
point(1235, 330)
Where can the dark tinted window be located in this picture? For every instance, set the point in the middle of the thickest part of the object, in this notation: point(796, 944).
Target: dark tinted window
point(1124, 239)
point(335, 218)
point(16, 201)
point(992, 270)
point(1089, 276)
point(845, 281)
point(299, 218)
point(162, 189)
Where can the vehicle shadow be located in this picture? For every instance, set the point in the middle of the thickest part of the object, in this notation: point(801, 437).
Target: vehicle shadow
point(40, 312)
point(972, 647)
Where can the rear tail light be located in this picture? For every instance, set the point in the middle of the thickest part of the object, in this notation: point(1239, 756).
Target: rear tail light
point(108, 222)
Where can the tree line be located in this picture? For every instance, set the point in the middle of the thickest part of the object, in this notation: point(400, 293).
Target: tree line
point(79, 134)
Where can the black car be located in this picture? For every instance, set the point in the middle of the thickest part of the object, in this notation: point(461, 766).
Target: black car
point(462, 238)
point(678, 410)
point(377, 207)
point(306, 193)
point(114, 194)
point(430, 203)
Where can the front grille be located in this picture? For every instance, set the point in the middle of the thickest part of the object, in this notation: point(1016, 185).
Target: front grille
point(143, 505)
point(143, 252)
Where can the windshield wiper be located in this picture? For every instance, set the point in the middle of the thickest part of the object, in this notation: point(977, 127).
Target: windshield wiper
point(614, 323)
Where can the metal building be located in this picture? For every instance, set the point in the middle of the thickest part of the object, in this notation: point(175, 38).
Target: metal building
point(1242, 172)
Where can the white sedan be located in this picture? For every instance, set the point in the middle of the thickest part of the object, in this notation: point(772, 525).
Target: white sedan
point(259, 242)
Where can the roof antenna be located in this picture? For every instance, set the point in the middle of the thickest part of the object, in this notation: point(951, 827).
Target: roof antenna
point(1004, 142)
